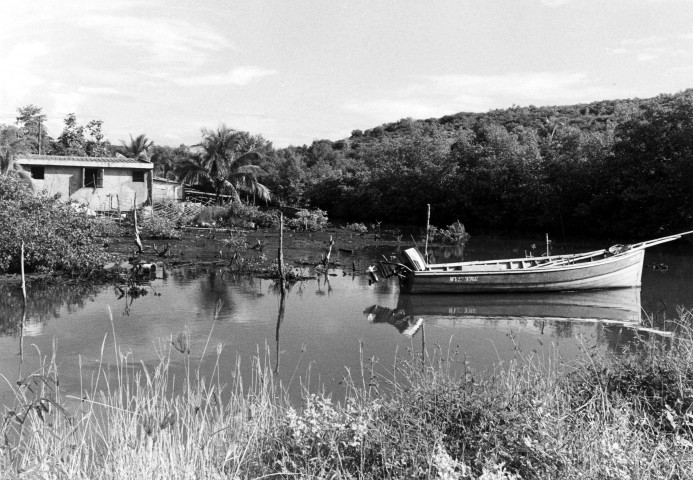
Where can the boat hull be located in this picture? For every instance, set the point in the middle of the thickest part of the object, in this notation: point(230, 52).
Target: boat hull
point(618, 271)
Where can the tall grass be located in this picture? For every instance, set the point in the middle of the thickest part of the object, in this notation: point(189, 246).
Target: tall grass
point(628, 416)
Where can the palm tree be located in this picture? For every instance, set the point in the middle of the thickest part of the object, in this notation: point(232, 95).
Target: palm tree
point(137, 148)
point(226, 162)
point(13, 146)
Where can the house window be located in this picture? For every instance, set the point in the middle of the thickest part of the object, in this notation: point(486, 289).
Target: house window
point(37, 172)
point(93, 177)
point(138, 175)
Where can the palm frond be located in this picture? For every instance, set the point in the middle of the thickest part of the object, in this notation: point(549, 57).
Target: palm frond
point(228, 158)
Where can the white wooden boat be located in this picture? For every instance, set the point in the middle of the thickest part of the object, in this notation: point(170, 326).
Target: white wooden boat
point(617, 267)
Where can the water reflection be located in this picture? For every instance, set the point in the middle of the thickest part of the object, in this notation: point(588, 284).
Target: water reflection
point(319, 323)
point(280, 319)
point(43, 304)
point(562, 311)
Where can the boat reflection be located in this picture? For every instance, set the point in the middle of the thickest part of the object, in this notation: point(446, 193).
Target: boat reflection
point(621, 306)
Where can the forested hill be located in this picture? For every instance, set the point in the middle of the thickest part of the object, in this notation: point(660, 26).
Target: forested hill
point(618, 168)
point(589, 117)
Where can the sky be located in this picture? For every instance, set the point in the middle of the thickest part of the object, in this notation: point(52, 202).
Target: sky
point(295, 71)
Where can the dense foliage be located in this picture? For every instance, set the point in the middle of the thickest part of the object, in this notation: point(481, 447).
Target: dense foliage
point(56, 237)
point(608, 168)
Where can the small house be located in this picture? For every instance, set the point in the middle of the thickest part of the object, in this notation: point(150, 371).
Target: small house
point(164, 189)
point(100, 183)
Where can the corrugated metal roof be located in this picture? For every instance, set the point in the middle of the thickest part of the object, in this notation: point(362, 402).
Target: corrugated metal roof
point(166, 180)
point(94, 162)
point(71, 158)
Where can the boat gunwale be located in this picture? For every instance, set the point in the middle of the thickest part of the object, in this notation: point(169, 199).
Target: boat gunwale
point(551, 258)
point(517, 271)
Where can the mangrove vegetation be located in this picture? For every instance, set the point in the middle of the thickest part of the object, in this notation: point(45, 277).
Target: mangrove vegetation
point(608, 168)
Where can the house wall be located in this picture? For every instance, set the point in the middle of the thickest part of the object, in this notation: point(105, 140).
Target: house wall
point(117, 187)
point(164, 191)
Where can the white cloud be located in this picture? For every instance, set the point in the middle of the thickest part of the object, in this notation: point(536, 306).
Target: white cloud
point(617, 51)
point(393, 108)
point(654, 47)
point(645, 41)
point(237, 76)
point(67, 101)
point(163, 40)
point(645, 56)
point(20, 76)
point(555, 3)
point(544, 85)
point(98, 91)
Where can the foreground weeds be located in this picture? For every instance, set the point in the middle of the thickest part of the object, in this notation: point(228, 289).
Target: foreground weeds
point(618, 418)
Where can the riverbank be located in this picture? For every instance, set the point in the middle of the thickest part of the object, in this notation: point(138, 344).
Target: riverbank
point(211, 244)
point(244, 250)
point(620, 417)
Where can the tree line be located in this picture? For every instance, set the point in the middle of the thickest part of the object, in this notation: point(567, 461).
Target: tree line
point(618, 168)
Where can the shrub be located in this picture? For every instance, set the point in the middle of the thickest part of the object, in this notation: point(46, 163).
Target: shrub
point(159, 227)
point(237, 214)
point(251, 215)
point(309, 220)
point(455, 234)
point(210, 216)
point(55, 236)
point(357, 227)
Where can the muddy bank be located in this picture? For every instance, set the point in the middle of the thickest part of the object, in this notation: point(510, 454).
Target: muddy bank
point(258, 251)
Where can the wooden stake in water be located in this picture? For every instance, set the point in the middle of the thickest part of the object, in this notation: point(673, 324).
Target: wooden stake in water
point(280, 253)
point(428, 222)
point(548, 250)
point(138, 241)
point(23, 279)
point(21, 326)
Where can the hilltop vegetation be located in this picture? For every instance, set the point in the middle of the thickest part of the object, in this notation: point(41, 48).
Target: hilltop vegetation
point(608, 168)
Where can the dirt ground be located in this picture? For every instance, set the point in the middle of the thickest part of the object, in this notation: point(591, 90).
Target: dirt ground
point(259, 251)
point(256, 255)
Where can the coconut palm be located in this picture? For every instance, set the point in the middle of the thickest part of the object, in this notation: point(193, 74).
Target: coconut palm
point(226, 162)
point(12, 146)
point(137, 148)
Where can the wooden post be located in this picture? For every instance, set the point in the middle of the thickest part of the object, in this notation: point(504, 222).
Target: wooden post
point(548, 251)
point(428, 222)
point(21, 326)
point(138, 241)
point(23, 279)
point(326, 257)
point(280, 253)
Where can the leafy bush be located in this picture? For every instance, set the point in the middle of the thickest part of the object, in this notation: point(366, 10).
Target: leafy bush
point(309, 220)
point(357, 227)
point(455, 234)
point(210, 216)
point(251, 214)
point(237, 214)
point(324, 438)
point(159, 227)
point(55, 236)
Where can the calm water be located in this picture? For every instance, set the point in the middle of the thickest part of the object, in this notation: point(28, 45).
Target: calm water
point(328, 322)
